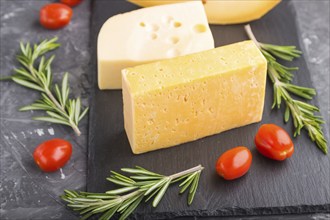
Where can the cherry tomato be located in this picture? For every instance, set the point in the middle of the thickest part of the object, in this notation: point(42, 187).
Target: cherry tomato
point(234, 163)
point(53, 154)
point(71, 3)
point(274, 142)
point(55, 15)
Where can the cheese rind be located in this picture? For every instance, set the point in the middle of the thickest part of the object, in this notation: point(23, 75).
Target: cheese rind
point(225, 11)
point(148, 35)
point(173, 101)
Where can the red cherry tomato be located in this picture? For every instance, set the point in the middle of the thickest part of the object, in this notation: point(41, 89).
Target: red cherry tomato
point(274, 142)
point(71, 3)
point(234, 163)
point(53, 154)
point(55, 15)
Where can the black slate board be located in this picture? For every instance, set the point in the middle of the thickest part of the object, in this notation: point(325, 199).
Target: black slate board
point(298, 185)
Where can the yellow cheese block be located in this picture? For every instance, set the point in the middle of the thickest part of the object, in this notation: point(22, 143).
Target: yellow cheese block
point(224, 11)
point(173, 101)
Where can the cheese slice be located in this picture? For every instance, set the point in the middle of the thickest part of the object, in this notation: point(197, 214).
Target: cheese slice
point(150, 34)
point(173, 101)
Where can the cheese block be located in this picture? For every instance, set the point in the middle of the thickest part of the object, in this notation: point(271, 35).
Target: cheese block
point(173, 101)
point(150, 34)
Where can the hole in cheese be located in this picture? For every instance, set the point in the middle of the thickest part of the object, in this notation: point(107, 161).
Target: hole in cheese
point(153, 36)
point(177, 24)
point(173, 40)
point(150, 121)
point(200, 28)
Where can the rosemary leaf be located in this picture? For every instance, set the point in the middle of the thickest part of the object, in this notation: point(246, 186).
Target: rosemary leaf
point(155, 186)
point(87, 216)
point(131, 208)
point(58, 95)
point(180, 178)
point(54, 115)
point(77, 110)
point(139, 171)
point(161, 193)
point(147, 171)
point(186, 185)
point(49, 77)
point(193, 188)
point(101, 196)
point(24, 73)
point(287, 114)
point(146, 177)
point(85, 210)
point(118, 182)
point(188, 179)
point(121, 190)
point(107, 215)
point(122, 177)
point(85, 200)
point(104, 208)
point(153, 194)
point(24, 82)
point(126, 204)
point(142, 183)
point(35, 106)
point(64, 87)
point(71, 193)
point(287, 53)
point(83, 113)
point(51, 120)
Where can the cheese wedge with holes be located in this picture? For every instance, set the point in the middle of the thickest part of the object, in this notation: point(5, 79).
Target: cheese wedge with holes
point(178, 100)
point(150, 34)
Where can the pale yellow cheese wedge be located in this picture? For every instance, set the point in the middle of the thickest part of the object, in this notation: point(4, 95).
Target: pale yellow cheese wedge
point(173, 101)
point(147, 35)
point(224, 11)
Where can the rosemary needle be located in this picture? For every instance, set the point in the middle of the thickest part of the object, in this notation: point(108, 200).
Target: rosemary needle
point(302, 113)
point(54, 100)
point(144, 184)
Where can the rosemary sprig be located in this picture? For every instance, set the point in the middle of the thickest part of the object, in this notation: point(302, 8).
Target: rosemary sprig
point(302, 113)
point(55, 101)
point(141, 185)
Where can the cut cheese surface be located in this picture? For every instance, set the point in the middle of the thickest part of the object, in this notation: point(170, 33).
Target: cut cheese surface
point(238, 11)
point(173, 101)
point(224, 11)
point(150, 34)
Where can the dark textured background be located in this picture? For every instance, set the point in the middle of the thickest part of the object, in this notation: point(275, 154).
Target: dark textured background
point(26, 192)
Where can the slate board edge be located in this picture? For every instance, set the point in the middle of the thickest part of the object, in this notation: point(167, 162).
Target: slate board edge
point(224, 212)
point(94, 87)
point(230, 212)
point(237, 212)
